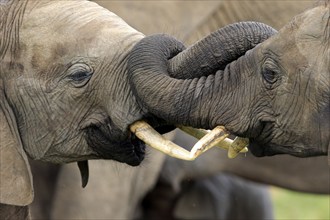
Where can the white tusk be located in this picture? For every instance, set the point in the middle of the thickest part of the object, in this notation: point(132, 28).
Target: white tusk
point(210, 140)
point(225, 144)
point(238, 146)
point(200, 133)
point(151, 137)
point(155, 140)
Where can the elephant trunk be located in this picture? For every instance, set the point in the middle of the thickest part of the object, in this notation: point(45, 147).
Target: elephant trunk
point(185, 90)
point(218, 49)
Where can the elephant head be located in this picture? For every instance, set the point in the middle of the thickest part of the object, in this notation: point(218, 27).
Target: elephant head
point(64, 89)
point(276, 94)
point(60, 61)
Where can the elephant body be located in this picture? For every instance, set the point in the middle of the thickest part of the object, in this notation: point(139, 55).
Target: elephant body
point(114, 191)
point(14, 212)
point(190, 21)
point(224, 196)
point(120, 192)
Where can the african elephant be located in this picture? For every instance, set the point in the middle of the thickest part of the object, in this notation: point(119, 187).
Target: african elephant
point(222, 196)
point(276, 94)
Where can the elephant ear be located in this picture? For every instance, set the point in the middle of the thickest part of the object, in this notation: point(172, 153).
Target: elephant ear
point(16, 186)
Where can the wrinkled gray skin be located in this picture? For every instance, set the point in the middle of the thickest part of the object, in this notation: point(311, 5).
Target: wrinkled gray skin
point(277, 94)
point(189, 27)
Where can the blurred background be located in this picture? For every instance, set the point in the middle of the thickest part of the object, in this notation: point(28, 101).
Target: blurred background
point(296, 205)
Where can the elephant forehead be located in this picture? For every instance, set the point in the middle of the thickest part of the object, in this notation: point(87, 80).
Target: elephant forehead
point(69, 13)
point(304, 36)
point(68, 29)
point(314, 32)
point(312, 41)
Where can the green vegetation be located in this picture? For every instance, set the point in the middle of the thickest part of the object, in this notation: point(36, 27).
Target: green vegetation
point(290, 205)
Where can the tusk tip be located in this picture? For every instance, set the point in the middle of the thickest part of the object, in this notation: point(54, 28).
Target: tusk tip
point(232, 153)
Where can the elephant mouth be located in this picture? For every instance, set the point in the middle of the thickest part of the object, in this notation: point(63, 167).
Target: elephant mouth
point(109, 142)
point(261, 150)
point(265, 145)
point(107, 145)
point(259, 144)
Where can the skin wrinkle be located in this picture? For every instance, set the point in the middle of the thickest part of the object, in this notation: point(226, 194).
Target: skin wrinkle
point(224, 37)
point(234, 91)
point(320, 130)
point(42, 117)
point(209, 84)
point(13, 26)
point(179, 99)
point(197, 91)
point(76, 116)
point(16, 27)
point(6, 109)
point(327, 31)
point(223, 86)
point(294, 109)
point(129, 97)
point(289, 113)
point(119, 89)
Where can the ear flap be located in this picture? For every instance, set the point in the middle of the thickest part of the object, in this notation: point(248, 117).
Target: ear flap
point(15, 175)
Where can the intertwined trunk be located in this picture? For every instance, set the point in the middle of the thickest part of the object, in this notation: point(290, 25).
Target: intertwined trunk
point(188, 87)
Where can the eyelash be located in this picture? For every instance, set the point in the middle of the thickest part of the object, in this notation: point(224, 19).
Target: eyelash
point(81, 74)
point(269, 73)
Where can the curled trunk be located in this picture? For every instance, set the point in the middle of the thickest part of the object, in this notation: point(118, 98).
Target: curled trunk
point(218, 49)
point(183, 86)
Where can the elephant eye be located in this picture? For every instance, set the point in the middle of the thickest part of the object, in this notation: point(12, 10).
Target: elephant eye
point(270, 72)
point(79, 75)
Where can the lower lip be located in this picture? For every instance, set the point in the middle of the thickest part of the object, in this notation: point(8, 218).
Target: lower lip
point(256, 149)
